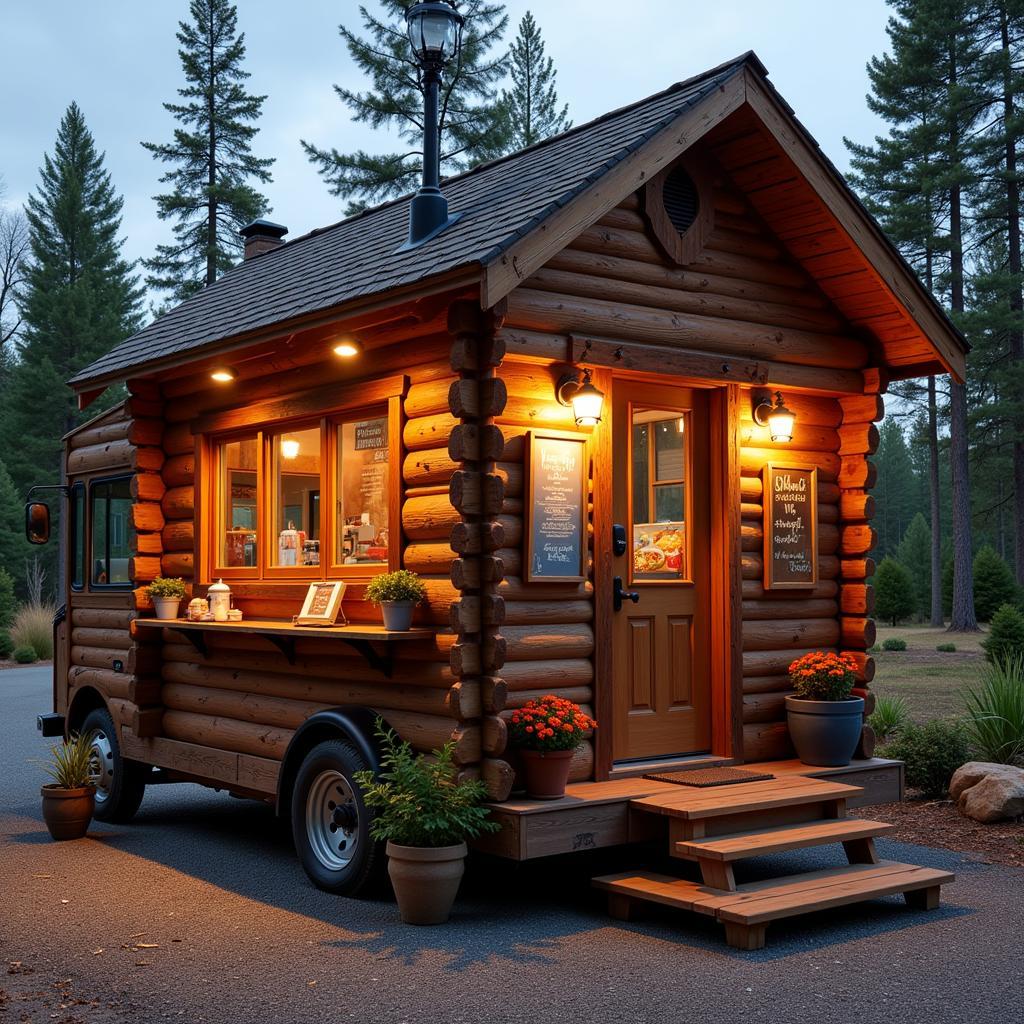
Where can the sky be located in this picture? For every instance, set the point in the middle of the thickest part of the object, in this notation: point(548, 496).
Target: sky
point(118, 60)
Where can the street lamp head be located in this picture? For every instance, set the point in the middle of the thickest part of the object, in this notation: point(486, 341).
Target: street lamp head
point(435, 32)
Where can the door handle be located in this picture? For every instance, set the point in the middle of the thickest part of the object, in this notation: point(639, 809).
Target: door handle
point(619, 595)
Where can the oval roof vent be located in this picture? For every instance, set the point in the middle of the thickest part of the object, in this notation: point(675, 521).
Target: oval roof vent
point(679, 207)
point(682, 201)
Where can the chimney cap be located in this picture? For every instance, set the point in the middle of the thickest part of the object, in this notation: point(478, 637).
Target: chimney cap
point(263, 229)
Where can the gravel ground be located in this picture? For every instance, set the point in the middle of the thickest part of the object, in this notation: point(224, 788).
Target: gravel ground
point(199, 912)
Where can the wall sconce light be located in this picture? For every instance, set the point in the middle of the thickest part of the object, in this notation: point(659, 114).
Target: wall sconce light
point(777, 418)
point(289, 448)
point(348, 348)
point(223, 374)
point(585, 400)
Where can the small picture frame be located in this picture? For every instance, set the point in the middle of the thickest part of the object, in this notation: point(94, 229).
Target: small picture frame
point(322, 606)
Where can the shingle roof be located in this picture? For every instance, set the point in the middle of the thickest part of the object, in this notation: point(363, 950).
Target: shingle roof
point(499, 202)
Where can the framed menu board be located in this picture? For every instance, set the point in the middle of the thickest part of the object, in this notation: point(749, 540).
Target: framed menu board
point(790, 526)
point(556, 507)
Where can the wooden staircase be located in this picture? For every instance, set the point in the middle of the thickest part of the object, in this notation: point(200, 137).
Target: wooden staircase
point(717, 826)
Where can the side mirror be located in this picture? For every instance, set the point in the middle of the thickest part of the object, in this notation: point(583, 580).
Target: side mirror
point(37, 522)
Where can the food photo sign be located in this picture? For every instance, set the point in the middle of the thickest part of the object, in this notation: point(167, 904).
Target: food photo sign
point(790, 527)
point(556, 539)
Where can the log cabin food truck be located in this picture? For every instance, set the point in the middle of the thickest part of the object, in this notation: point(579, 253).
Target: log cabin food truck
point(631, 299)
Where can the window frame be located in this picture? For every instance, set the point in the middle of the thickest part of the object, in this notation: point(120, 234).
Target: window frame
point(77, 520)
point(210, 504)
point(90, 560)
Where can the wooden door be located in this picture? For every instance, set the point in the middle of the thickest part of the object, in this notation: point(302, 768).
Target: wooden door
point(660, 643)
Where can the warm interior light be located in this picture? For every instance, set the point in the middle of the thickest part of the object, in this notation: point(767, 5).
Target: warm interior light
point(777, 418)
point(289, 448)
point(223, 375)
point(586, 400)
point(681, 424)
point(348, 348)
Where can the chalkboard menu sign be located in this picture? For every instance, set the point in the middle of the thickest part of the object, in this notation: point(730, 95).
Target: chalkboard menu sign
point(790, 527)
point(556, 508)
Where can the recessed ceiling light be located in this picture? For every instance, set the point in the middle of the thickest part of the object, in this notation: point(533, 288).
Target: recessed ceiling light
point(347, 348)
point(224, 374)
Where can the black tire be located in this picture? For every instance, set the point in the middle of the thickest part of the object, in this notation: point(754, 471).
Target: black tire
point(119, 798)
point(336, 849)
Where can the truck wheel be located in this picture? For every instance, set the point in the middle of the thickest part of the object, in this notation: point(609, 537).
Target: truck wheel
point(330, 822)
point(120, 784)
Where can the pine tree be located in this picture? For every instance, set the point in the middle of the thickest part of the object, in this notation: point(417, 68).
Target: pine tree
point(895, 491)
point(532, 103)
point(914, 554)
point(894, 591)
point(993, 583)
point(79, 299)
point(473, 121)
point(211, 195)
point(14, 548)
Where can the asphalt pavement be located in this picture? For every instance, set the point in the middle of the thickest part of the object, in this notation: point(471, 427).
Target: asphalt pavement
point(199, 911)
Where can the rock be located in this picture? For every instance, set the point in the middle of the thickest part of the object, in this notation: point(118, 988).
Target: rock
point(968, 775)
point(988, 792)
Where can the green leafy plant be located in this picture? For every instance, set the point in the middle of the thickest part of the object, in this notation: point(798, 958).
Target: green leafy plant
point(418, 801)
point(1005, 638)
point(994, 584)
point(550, 723)
point(823, 675)
point(946, 648)
point(6, 646)
point(890, 715)
point(33, 627)
point(895, 596)
point(25, 654)
point(169, 587)
point(400, 585)
point(7, 603)
point(995, 712)
point(931, 753)
point(70, 764)
point(894, 643)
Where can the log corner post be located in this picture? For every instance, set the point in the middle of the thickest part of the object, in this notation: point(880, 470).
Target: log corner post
point(477, 493)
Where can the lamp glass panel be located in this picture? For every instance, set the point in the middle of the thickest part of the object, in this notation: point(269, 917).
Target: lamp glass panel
point(432, 33)
point(780, 425)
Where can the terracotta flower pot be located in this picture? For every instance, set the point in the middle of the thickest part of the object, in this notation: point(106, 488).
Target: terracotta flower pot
point(547, 772)
point(397, 615)
point(426, 880)
point(825, 732)
point(67, 812)
point(166, 607)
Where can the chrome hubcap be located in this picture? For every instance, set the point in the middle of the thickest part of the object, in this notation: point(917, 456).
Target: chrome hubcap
point(332, 820)
point(101, 764)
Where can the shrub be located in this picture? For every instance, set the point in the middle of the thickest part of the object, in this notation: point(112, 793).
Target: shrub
point(33, 627)
point(6, 598)
point(550, 723)
point(891, 714)
point(894, 643)
point(1006, 634)
point(70, 764)
point(6, 646)
point(946, 648)
point(169, 587)
point(995, 712)
point(895, 597)
point(400, 585)
point(994, 584)
point(25, 654)
point(931, 753)
point(417, 800)
point(822, 675)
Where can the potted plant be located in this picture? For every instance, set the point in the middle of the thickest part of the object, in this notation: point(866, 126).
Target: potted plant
point(69, 801)
point(397, 593)
point(426, 816)
point(546, 732)
point(166, 595)
point(825, 721)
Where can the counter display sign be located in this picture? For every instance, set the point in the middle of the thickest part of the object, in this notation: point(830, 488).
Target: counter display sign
point(790, 527)
point(556, 508)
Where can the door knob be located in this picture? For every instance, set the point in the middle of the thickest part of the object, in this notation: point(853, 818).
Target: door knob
point(619, 595)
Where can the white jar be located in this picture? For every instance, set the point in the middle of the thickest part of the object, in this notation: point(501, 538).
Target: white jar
point(219, 596)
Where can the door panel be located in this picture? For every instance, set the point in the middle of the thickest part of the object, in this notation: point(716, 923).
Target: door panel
point(661, 683)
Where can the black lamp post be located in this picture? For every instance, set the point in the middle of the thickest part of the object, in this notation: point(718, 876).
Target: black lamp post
point(435, 32)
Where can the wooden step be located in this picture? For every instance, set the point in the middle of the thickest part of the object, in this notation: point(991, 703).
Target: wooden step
point(747, 911)
point(778, 839)
point(694, 804)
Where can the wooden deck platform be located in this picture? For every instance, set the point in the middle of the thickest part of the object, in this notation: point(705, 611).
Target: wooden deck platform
point(592, 815)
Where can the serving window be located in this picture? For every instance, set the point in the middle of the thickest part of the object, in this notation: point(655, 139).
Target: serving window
point(304, 500)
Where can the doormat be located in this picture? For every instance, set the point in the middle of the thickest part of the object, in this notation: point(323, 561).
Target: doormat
point(704, 777)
